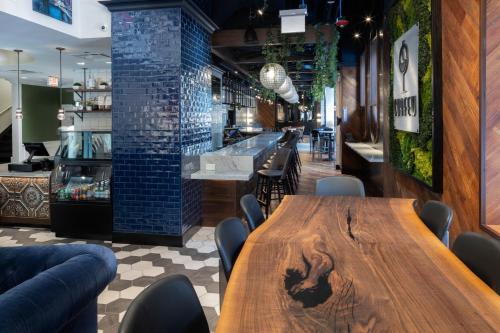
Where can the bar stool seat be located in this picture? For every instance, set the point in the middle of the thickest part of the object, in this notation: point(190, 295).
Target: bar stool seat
point(270, 173)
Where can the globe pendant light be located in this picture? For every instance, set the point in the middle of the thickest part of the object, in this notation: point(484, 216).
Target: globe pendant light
point(285, 87)
point(272, 76)
point(19, 111)
point(60, 113)
point(289, 94)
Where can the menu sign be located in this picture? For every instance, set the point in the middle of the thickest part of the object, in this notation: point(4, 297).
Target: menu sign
point(405, 87)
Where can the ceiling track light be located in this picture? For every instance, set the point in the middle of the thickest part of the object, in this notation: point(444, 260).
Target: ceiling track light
point(19, 110)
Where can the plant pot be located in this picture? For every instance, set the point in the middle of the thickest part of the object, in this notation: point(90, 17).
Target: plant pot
point(76, 87)
point(103, 86)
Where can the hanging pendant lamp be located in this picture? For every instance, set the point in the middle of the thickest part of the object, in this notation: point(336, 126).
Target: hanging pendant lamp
point(19, 110)
point(341, 20)
point(272, 76)
point(60, 112)
point(285, 87)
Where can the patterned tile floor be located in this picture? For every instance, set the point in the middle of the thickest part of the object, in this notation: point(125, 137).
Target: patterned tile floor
point(139, 266)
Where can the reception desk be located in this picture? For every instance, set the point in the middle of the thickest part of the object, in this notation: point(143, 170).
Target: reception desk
point(230, 173)
point(24, 197)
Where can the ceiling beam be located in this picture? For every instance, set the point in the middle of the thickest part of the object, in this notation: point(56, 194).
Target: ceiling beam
point(261, 60)
point(236, 37)
point(226, 56)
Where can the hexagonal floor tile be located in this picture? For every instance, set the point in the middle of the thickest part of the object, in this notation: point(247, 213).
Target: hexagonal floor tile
point(140, 252)
point(141, 265)
point(212, 262)
point(209, 299)
point(194, 265)
point(131, 275)
point(108, 296)
point(131, 292)
point(200, 290)
point(153, 271)
point(123, 268)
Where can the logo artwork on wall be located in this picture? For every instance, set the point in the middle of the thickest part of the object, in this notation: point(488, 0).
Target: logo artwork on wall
point(405, 87)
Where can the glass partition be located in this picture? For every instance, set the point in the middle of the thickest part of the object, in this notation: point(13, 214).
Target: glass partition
point(85, 145)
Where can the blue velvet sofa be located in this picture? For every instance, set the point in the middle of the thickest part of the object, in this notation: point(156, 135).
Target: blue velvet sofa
point(53, 288)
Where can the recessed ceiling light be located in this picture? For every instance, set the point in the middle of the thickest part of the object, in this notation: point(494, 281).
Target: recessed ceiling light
point(80, 63)
point(235, 72)
point(368, 19)
point(357, 35)
point(381, 34)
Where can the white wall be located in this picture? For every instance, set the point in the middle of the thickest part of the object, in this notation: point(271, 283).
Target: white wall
point(5, 94)
point(5, 103)
point(88, 17)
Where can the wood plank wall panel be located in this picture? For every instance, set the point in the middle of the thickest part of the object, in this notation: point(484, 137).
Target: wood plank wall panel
point(265, 115)
point(491, 113)
point(349, 97)
point(461, 121)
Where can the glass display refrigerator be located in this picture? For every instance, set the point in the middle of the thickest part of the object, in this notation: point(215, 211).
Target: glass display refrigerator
point(80, 186)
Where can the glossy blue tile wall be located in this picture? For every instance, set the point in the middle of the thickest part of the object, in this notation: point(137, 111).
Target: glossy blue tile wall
point(161, 108)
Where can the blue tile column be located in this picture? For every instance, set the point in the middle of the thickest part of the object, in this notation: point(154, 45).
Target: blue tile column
point(161, 118)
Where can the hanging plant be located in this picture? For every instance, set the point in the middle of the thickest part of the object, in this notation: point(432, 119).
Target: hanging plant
point(325, 64)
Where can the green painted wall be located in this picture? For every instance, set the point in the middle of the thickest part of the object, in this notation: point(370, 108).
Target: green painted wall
point(40, 105)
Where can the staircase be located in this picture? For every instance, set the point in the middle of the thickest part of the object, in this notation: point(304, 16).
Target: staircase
point(6, 145)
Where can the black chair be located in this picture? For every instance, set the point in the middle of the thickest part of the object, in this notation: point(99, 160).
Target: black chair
point(437, 216)
point(252, 210)
point(168, 305)
point(482, 255)
point(230, 236)
point(340, 185)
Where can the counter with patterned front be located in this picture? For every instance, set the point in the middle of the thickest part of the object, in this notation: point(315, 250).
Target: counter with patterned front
point(24, 198)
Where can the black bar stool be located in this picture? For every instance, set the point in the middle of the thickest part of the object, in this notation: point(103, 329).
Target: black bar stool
point(274, 180)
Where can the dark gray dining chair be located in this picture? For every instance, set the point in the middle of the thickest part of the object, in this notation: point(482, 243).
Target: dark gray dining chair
point(168, 305)
point(340, 185)
point(481, 254)
point(230, 236)
point(252, 211)
point(437, 216)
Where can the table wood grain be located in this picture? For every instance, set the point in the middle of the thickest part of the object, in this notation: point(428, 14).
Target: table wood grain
point(344, 264)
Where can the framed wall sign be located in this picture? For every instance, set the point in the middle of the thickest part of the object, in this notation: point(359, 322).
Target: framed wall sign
point(415, 119)
point(61, 10)
point(405, 81)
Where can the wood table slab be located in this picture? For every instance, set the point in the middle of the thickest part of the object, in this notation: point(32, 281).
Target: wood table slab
point(345, 264)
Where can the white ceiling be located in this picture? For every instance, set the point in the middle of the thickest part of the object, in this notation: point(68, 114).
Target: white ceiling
point(41, 57)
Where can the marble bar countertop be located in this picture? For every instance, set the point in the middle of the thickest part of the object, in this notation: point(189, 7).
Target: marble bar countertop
point(238, 161)
point(373, 153)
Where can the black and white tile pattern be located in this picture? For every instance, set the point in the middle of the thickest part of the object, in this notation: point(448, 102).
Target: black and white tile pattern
point(139, 266)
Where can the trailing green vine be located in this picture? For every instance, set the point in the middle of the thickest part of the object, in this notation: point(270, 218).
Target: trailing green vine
point(325, 64)
point(412, 152)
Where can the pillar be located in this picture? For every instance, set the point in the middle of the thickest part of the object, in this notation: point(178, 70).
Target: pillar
point(161, 117)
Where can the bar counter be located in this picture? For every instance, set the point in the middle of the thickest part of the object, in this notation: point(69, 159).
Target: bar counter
point(24, 197)
point(230, 173)
point(238, 161)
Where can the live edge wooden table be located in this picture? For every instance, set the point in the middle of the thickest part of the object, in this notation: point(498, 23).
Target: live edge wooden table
point(344, 264)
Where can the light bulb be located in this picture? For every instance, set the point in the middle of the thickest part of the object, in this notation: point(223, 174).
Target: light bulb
point(19, 113)
point(60, 114)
